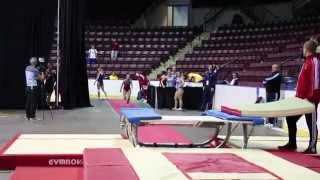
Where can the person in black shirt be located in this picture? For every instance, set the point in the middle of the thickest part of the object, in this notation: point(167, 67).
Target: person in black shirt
point(99, 80)
point(272, 84)
point(163, 79)
point(209, 85)
point(50, 82)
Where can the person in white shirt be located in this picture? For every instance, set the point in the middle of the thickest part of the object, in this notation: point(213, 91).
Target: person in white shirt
point(235, 80)
point(32, 76)
point(92, 59)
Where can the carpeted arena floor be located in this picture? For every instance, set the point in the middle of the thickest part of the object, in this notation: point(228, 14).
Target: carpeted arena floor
point(103, 119)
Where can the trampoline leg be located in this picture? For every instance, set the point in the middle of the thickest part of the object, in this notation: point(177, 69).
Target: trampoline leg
point(134, 134)
point(156, 98)
point(128, 131)
point(314, 130)
point(207, 142)
point(229, 132)
point(122, 122)
point(245, 136)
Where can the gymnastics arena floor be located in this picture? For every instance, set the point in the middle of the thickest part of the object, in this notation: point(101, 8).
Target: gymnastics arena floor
point(86, 144)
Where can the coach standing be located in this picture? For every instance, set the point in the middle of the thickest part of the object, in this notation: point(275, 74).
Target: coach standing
point(308, 87)
point(209, 83)
point(273, 85)
point(32, 75)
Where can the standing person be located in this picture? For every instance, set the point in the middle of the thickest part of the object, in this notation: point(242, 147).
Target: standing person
point(171, 78)
point(126, 87)
point(308, 87)
point(143, 84)
point(163, 79)
point(178, 101)
point(50, 82)
point(272, 84)
point(32, 74)
point(162, 90)
point(92, 55)
point(114, 49)
point(209, 83)
point(99, 80)
point(171, 89)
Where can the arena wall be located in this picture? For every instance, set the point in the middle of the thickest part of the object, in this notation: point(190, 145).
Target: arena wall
point(225, 95)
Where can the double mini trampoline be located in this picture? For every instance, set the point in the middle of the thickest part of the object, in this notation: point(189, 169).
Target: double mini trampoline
point(248, 117)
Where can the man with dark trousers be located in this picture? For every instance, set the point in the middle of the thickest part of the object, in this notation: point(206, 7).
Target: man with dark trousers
point(272, 84)
point(32, 74)
point(308, 87)
point(209, 84)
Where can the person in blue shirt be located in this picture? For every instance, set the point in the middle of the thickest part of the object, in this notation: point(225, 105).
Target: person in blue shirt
point(171, 78)
point(209, 84)
point(32, 76)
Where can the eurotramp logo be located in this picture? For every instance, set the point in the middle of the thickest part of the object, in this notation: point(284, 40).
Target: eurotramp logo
point(65, 162)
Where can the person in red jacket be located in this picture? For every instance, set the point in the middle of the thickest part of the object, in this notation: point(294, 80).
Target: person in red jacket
point(143, 84)
point(308, 87)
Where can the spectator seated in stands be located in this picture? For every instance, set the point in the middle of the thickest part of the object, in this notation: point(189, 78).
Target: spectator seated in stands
point(113, 76)
point(234, 81)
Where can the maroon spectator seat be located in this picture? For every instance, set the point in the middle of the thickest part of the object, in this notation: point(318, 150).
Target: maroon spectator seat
point(253, 48)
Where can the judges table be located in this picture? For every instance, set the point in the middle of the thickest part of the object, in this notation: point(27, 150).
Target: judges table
point(164, 97)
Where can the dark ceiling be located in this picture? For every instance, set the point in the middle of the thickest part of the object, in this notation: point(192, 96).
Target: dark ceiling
point(131, 9)
point(97, 9)
point(210, 3)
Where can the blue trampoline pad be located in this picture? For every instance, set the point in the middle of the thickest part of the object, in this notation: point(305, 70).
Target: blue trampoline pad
point(225, 116)
point(135, 115)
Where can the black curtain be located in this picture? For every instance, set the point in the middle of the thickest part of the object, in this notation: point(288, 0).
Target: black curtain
point(26, 30)
point(74, 80)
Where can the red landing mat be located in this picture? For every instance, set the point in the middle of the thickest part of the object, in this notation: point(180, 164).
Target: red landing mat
point(213, 163)
point(161, 134)
point(103, 164)
point(117, 104)
point(153, 134)
point(307, 161)
point(45, 173)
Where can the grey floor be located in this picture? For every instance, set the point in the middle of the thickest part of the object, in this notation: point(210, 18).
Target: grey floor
point(99, 119)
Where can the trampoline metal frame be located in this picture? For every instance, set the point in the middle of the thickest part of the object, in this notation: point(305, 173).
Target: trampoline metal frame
point(132, 129)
